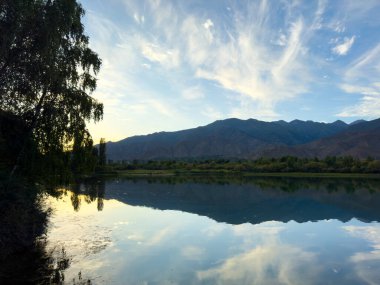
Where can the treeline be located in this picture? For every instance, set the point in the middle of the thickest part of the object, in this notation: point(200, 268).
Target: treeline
point(346, 164)
point(80, 157)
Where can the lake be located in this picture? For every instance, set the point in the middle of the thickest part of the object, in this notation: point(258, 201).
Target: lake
point(177, 230)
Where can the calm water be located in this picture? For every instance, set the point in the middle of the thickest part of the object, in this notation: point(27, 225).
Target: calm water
point(179, 231)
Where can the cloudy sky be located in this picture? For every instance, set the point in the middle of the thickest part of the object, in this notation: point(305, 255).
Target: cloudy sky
point(173, 64)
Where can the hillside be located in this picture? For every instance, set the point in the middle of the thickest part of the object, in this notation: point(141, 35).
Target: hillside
point(358, 140)
point(230, 138)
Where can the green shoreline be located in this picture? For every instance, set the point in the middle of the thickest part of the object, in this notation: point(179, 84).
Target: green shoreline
point(148, 173)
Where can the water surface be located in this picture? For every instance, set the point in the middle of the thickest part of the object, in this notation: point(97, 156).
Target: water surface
point(218, 231)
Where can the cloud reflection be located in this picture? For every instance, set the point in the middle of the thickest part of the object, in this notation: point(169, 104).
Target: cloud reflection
point(366, 263)
point(268, 264)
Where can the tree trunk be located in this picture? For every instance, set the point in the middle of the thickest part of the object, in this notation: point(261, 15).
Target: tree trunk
point(29, 133)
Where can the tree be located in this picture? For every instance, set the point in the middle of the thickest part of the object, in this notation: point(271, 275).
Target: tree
point(47, 70)
point(83, 154)
point(102, 152)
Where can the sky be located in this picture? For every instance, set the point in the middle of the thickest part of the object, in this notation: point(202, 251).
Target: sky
point(174, 64)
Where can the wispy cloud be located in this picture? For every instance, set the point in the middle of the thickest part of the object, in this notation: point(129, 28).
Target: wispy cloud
point(358, 9)
point(246, 62)
point(344, 47)
point(193, 93)
point(368, 106)
point(212, 113)
point(208, 24)
point(364, 262)
point(362, 78)
point(269, 264)
point(176, 64)
point(166, 57)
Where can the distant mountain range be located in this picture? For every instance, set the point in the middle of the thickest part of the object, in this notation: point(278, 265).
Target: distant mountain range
point(250, 139)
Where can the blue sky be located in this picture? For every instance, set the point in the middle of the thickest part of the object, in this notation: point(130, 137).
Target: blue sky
point(171, 64)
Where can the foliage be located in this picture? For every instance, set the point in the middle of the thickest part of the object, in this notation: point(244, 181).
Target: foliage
point(47, 74)
point(346, 164)
point(47, 70)
point(102, 152)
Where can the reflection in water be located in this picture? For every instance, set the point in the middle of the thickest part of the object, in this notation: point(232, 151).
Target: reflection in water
point(37, 266)
point(261, 231)
point(238, 200)
point(90, 192)
point(256, 200)
point(366, 263)
point(264, 265)
point(25, 254)
point(216, 231)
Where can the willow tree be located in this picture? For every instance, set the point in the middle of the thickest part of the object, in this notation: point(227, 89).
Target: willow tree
point(47, 70)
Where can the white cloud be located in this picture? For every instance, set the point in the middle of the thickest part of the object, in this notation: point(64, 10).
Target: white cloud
point(268, 264)
point(248, 60)
point(366, 65)
point(212, 113)
point(196, 42)
point(362, 78)
point(248, 109)
point(282, 40)
point(193, 252)
point(365, 90)
point(338, 27)
point(208, 24)
point(168, 58)
point(245, 63)
point(193, 93)
point(318, 19)
point(139, 19)
point(368, 106)
point(250, 68)
point(359, 9)
point(344, 48)
point(365, 262)
point(129, 103)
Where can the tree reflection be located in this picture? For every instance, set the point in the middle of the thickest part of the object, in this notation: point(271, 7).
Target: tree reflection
point(89, 191)
point(240, 199)
point(287, 184)
point(38, 266)
point(24, 254)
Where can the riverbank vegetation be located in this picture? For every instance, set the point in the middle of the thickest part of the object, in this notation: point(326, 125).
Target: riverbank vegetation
point(287, 164)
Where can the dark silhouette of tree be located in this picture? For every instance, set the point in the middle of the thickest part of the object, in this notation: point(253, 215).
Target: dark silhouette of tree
point(101, 191)
point(47, 70)
point(102, 152)
point(84, 154)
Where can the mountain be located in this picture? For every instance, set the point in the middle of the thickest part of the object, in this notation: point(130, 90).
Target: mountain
point(360, 140)
point(230, 138)
point(357, 122)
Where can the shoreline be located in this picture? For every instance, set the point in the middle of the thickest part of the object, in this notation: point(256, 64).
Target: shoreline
point(164, 173)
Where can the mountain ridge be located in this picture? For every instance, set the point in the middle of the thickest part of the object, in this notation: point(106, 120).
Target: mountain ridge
point(235, 138)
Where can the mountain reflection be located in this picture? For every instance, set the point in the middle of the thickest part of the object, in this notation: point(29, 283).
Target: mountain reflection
point(243, 200)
